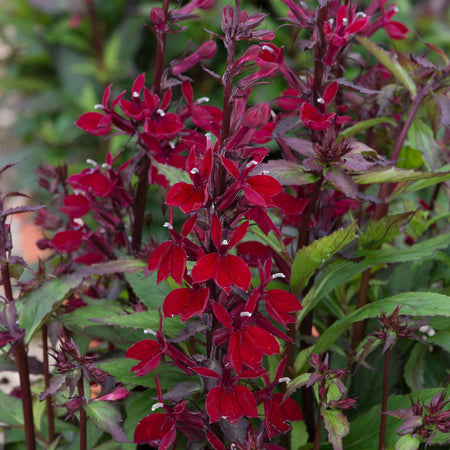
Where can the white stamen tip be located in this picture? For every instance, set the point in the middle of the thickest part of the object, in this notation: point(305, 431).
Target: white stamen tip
point(157, 406)
point(284, 380)
point(79, 221)
point(172, 144)
point(150, 331)
point(168, 225)
point(251, 163)
point(194, 171)
point(396, 9)
point(246, 314)
point(91, 161)
point(161, 112)
point(106, 166)
point(135, 94)
point(278, 275)
point(265, 172)
point(331, 22)
point(361, 14)
point(266, 47)
point(98, 106)
point(224, 242)
point(345, 21)
point(320, 100)
point(202, 100)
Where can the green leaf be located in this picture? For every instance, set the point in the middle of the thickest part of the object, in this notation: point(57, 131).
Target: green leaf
point(409, 158)
point(12, 414)
point(146, 289)
point(413, 304)
point(107, 417)
point(383, 230)
point(390, 63)
point(441, 338)
point(144, 320)
point(39, 304)
point(116, 266)
point(309, 259)
point(340, 272)
point(289, 173)
point(299, 435)
point(173, 174)
point(407, 442)
point(415, 366)
point(337, 426)
point(395, 175)
point(120, 368)
point(364, 125)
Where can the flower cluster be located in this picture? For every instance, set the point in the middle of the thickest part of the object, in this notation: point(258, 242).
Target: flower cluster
point(230, 288)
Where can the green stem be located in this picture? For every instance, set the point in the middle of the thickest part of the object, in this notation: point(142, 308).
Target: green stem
point(387, 356)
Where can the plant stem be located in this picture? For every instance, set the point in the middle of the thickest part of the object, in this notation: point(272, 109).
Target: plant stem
point(83, 422)
point(25, 392)
point(318, 430)
point(160, 49)
point(20, 353)
point(381, 210)
point(139, 206)
point(384, 399)
point(49, 399)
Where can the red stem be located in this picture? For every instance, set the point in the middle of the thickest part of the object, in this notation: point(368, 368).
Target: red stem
point(49, 399)
point(83, 421)
point(384, 399)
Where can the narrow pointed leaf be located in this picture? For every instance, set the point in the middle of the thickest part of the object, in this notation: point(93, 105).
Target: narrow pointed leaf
point(395, 175)
point(309, 259)
point(38, 306)
point(107, 417)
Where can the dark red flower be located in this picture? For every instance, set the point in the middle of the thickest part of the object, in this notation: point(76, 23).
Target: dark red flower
point(170, 259)
point(225, 269)
point(95, 123)
point(227, 400)
point(247, 343)
point(278, 411)
point(186, 302)
point(76, 205)
point(68, 241)
point(160, 429)
point(149, 353)
point(190, 197)
point(314, 119)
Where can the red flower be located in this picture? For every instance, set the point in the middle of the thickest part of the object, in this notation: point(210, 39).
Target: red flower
point(170, 259)
point(280, 304)
point(247, 344)
point(68, 241)
point(160, 429)
point(228, 401)
point(314, 119)
point(149, 353)
point(225, 269)
point(95, 123)
point(186, 302)
point(190, 197)
point(277, 411)
point(257, 189)
point(75, 205)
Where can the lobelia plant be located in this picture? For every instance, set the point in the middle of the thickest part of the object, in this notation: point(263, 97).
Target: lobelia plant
point(277, 235)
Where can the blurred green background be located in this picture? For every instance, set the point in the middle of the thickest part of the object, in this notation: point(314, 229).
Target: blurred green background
point(57, 56)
